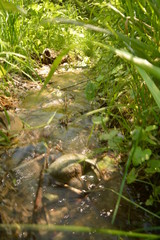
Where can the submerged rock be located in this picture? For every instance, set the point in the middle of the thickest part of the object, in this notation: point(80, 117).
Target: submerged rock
point(66, 167)
point(22, 153)
point(69, 169)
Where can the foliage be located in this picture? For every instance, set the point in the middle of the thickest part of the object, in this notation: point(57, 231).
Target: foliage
point(132, 99)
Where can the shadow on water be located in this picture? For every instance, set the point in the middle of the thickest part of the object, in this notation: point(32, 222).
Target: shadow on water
point(44, 141)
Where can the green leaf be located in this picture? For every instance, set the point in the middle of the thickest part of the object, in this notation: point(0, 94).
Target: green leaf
point(100, 78)
point(149, 201)
point(140, 156)
point(153, 166)
point(107, 163)
point(90, 91)
point(156, 191)
point(110, 135)
point(154, 163)
point(151, 128)
point(132, 176)
point(136, 133)
point(114, 138)
point(99, 119)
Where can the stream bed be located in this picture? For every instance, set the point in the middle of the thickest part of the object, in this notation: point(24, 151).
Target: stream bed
point(54, 125)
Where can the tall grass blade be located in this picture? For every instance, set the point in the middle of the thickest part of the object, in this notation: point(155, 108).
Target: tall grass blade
point(76, 23)
point(7, 116)
point(135, 204)
point(54, 67)
point(151, 85)
point(12, 54)
point(125, 175)
point(72, 228)
point(140, 62)
point(14, 66)
point(3, 138)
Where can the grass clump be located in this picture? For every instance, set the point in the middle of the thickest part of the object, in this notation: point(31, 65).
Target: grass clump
point(128, 86)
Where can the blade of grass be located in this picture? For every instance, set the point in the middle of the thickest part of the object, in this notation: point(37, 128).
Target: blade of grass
point(151, 85)
point(134, 203)
point(16, 67)
point(124, 176)
point(139, 62)
point(27, 65)
point(7, 117)
point(72, 228)
point(54, 67)
point(4, 137)
point(12, 54)
point(42, 125)
point(74, 22)
point(51, 118)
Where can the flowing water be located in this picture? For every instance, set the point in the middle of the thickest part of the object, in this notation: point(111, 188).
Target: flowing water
point(54, 126)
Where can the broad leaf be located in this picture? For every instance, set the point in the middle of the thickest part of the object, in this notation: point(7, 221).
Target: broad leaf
point(132, 176)
point(90, 91)
point(140, 156)
point(153, 166)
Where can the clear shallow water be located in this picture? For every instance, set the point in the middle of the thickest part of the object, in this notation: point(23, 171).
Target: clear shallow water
point(55, 119)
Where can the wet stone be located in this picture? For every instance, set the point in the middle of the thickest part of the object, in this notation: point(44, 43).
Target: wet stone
point(22, 153)
point(66, 167)
point(69, 169)
point(76, 183)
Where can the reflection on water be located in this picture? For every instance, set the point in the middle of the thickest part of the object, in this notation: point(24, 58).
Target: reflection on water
point(67, 132)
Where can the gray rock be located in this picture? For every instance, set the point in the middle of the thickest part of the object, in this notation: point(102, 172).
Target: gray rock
point(41, 148)
point(66, 167)
point(21, 153)
point(69, 168)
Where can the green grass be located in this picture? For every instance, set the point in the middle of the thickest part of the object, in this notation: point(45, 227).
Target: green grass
point(77, 229)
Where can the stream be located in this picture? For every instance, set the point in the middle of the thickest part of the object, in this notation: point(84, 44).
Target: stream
point(54, 126)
